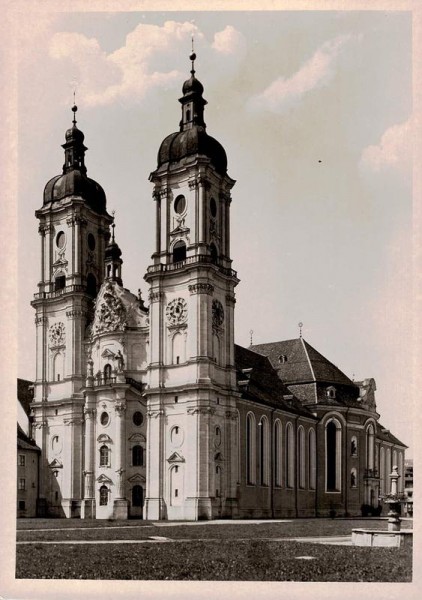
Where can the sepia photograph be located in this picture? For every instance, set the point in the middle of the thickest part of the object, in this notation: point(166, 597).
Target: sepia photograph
point(216, 348)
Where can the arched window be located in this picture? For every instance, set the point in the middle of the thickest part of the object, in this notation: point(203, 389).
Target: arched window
point(217, 481)
point(137, 456)
point(277, 454)
point(250, 449)
point(333, 455)
point(290, 456)
point(137, 495)
point(103, 495)
point(179, 344)
point(263, 451)
point(395, 459)
point(104, 456)
point(91, 285)
point(188, 115)
point(312, 459)
point(176, 483)
point(107, 373)
point(301, 456)
point(58, 367)
point(370, 448)
point(179, 251)
point(387, 471)
point(382, 470)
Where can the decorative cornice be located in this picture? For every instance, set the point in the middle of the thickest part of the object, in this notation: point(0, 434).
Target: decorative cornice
point(74, 421)
point(230, 299)
point(201, 288)
point(155, 296)
point(89, 412)
point(155, 413)
point(72, 314)
point(39, 320)
point(232, 415)
point(165, 193)
point(201, 410)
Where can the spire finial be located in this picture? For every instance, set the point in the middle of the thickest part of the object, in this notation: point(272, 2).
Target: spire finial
point(251, 336)
point(300, 325)
point(192, 57)
point(74, 107)
point(113, 212)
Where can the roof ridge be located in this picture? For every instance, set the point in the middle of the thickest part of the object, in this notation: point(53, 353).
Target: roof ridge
point(307, 356)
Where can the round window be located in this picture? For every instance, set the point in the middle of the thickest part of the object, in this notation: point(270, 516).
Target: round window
point(91, 241)
point(60, 239)
point(104, 419)
point(180, 204)
point(213, 207)
point(138, 419)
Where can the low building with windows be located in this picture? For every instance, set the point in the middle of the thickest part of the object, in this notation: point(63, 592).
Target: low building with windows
point(153, 411)
point(27, 475)
point(408, 487)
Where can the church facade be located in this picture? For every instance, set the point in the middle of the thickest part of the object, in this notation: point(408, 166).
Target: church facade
point(153, 411)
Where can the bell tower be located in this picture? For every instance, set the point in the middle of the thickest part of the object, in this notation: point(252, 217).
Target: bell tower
point(192, 439)
point(74, 230)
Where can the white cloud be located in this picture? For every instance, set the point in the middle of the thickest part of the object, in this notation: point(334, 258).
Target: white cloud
point(314, 73)
point(393, 150)
point(131, 71)
point(229, 41)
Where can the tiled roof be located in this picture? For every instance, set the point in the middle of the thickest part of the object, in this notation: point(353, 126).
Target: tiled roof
point(24, 442)
point(262, 384)
point(384, 434)
point(303, 363)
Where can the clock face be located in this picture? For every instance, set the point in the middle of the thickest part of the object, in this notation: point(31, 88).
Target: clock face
point(177, 311)
point(217, 313)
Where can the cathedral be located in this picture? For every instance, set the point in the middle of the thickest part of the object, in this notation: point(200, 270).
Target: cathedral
point(150, 410)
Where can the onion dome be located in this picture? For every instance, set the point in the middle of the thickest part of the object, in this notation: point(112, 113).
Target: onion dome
point(74, 181)
point(192, 140)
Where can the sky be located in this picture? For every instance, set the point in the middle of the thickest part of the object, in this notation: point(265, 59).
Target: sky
point(314, 110)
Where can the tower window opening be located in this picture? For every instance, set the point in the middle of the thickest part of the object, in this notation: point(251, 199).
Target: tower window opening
point(179, 252)
point(60, 283)
point(137, 456)
point(91, 285)
point(188, 115)
point(58, 376)
point(214, 253)
point(108, 270)
point(176, 399)
point(176, 492)
point(177, 360)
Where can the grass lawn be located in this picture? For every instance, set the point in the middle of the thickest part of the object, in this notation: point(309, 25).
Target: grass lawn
point(206, 552)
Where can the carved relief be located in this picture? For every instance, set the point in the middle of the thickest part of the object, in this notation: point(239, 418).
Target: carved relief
point(177, 311)
point(217, 313)
point(230, 299)
point(110, 314)
point(57, 335)
point(155, 296)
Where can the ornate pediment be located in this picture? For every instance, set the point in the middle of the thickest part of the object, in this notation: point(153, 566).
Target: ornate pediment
point(137, 437)
point(103, 438)
point(108, 354)
point(104, 479)
point(110, 313)
point(55, 464)
point(175, 458)
point(137, 478)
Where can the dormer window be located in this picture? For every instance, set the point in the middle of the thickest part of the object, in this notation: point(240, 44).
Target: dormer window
point(282, 358)
point(331, 392)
